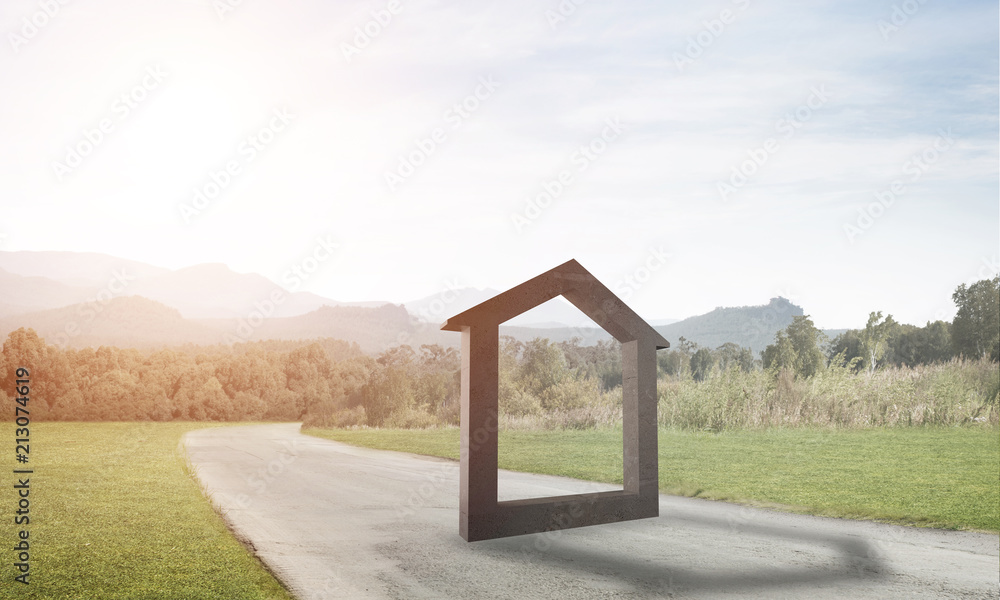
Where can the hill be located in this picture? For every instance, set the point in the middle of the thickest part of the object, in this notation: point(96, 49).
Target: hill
point(137, 322)
point(753, 327)
point(89, 299)
point(87, 269)
point(373, 329)
point(554, 314)
point(21, 293)
point(126, 322)
point(32, 281)
point(213, 290)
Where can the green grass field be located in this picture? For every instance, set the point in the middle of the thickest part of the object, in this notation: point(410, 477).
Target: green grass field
point(115, 514)
point(935, 477)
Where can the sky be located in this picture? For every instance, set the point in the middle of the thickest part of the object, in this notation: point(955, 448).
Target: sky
point(840, 154)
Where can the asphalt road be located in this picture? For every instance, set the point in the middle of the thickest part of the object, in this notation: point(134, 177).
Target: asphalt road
point(335, 521)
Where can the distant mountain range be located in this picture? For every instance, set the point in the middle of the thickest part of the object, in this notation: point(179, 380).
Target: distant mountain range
point(555, 313)
point(34, 280)
point(137, 322)
point(89, 299)
point(752, 327)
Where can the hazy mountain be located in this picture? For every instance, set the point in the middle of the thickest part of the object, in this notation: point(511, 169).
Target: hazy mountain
point(21, 294)
point(373, 329)
point(554, 314)
point(75, 268)
point(102, 299)
point(126, 322)
point(200, 291)
point(658, 322)
point(748, 326)
point(137, 322)
point(215, 291)
point(436, 309)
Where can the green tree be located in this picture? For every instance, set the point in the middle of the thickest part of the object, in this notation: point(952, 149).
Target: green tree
point(195, 392)
point(676, 362)
point(23, 348)
point(701, 364)
point(848, 347)
point(975, 331)
point(397, 356)
point(797, 348)
point(113, 398)
point(602, 361)
point(513, 398)
point(687, 347)
point(806, 339)
point(875, 338)
point(543, 366)
point(217, 406)
point(781, 355)
point(672, 362)
point(923, 345)
point(349, 377)
point(434, 357)
point(730, 354)
point(388, 390)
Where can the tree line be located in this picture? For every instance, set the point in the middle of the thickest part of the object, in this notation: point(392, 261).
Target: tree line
point(973, 334)
point(331, 382)
point(326, 381)
point(254, 381)
point(803, 350)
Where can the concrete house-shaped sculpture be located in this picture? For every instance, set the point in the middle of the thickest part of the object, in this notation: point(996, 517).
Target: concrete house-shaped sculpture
point(482, 517)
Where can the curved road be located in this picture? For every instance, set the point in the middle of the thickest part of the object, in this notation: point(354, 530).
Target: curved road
point(336, 521)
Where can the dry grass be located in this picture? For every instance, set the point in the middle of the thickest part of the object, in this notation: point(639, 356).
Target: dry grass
point(954, 393)
point(957, 393)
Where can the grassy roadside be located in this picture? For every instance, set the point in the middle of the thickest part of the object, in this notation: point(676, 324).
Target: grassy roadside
point(115, 514)
point(933, 476)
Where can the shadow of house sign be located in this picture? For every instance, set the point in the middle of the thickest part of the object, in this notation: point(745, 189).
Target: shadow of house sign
point(481, 516)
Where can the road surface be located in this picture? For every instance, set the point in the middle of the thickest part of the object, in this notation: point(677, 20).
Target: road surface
point(336, 521)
